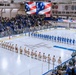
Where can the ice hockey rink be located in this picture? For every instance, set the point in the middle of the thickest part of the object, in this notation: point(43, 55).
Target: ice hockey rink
point(12, 63)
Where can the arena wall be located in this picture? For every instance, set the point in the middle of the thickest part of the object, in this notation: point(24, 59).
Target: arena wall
point(12, 10)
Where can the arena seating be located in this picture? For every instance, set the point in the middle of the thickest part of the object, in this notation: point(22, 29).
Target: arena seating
point(21, 21)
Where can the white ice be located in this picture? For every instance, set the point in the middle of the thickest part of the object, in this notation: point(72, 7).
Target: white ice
point(12, 63)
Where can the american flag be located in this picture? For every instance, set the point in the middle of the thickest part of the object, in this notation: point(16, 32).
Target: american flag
point(43, 7)
point(30, 7)
point(38, 7)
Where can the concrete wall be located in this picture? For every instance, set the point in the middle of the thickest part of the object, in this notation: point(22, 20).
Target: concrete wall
point(61, 1)
point(12, 10)
point(21, 9)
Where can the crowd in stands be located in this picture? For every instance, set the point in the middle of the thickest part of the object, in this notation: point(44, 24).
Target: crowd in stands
point(21, 21)
point(24, 21)
point(68, 68)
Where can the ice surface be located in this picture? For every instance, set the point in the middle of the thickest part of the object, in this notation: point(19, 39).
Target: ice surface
point(12, 63)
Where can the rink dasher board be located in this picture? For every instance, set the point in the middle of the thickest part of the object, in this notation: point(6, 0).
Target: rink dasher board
point(45, 30)
point(12, 37)
point(27, 34)
point(50, 29)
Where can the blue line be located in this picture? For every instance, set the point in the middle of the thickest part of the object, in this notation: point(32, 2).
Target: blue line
point(58, 65)
point(64, 48)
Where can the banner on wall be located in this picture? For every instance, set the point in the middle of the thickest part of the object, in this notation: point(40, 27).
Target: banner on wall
point(74, 21)
point(38, 7)
point(65, 20)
